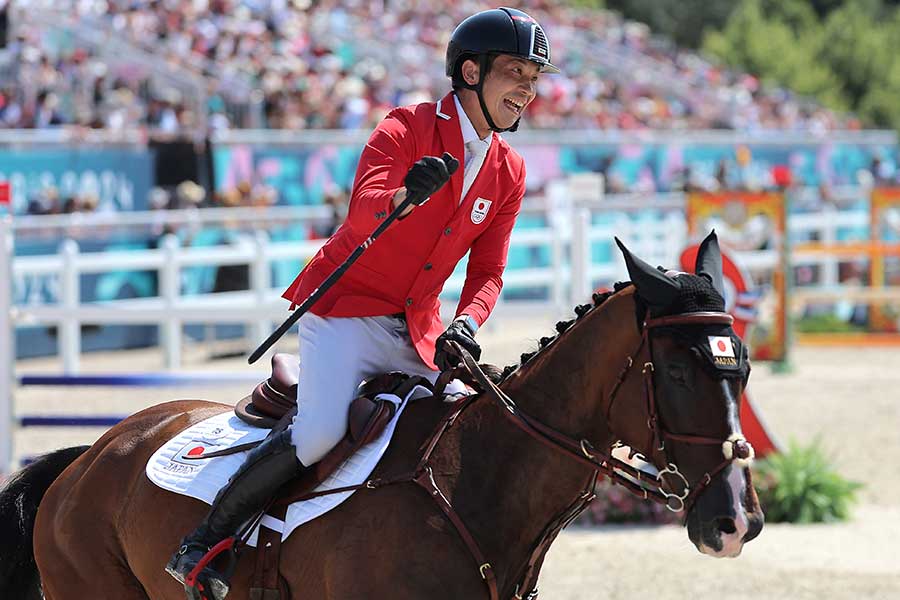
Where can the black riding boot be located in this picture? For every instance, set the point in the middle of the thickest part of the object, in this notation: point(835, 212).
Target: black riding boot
point(267, 467)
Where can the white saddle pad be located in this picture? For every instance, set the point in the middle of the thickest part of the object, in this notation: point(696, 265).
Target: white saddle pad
point(202, 479)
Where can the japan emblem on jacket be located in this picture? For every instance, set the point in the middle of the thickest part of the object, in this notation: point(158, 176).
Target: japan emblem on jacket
point(480, 210)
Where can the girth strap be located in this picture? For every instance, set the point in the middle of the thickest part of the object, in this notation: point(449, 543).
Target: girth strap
point(266, 583)
point(425, 479)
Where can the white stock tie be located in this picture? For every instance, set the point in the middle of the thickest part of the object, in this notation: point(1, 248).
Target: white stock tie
point(475, 153)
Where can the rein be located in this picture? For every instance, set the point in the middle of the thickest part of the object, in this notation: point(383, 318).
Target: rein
point(642, 483)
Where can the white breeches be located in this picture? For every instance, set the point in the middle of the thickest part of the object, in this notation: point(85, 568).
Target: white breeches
point(336, 355)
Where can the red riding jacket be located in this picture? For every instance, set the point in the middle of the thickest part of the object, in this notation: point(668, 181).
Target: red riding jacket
point(405, 269)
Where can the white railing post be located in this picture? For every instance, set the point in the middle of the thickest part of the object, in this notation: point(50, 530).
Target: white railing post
point(169, 291)
point(260, 283)
point(69, 328)
point(829, 274)
point(622, 228)
point(7, 346)
point(675, 239)
point(581, 255)
point(557, 287)
point(558, 210)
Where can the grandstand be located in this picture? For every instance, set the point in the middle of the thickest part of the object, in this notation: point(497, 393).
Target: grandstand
point(115, 106)
point(175, 65)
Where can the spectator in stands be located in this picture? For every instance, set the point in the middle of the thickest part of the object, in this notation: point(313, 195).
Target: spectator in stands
point(263, 195)
point(189, 194)
point(338, 201)
point(44, 202)
point(46, 114)
point(882, 172)
point(10, 109)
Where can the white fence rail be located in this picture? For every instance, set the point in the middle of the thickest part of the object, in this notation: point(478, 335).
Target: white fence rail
point(7, 346)
point(568, 237)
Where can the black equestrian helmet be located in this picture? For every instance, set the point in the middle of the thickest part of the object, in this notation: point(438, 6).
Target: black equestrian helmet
point(499, 31)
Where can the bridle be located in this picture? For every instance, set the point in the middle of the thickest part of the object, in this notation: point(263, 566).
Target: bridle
point(735, 449)
point(648, 485)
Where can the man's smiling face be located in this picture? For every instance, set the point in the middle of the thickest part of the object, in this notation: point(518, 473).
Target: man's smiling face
point(509, 88)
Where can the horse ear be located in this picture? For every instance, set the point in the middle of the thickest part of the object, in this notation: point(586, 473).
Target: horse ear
point(709, 262)
point(654, 286)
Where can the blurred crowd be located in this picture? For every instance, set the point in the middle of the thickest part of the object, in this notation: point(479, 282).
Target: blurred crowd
point(343, 64)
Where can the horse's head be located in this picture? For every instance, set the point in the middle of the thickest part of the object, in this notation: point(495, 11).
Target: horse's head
point(694, 368)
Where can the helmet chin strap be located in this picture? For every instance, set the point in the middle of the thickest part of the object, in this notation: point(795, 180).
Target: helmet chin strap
point(478, 87)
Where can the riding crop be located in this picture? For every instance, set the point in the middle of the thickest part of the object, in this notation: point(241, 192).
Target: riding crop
point(452, 165)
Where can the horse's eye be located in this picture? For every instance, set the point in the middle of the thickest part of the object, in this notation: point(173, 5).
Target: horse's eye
point(677, 374)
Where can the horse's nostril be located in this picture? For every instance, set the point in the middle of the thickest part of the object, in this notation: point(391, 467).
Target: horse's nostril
point(726, 525)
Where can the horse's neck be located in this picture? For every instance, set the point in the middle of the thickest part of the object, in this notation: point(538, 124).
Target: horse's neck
point(566, 386)
point(518, 484)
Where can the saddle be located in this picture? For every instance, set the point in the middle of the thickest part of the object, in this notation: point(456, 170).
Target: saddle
point(272, 405)
point(273, 402)
point(273, 398)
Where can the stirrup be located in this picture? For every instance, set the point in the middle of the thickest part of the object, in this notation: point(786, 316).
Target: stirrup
point(203, 582)
point(175, 560)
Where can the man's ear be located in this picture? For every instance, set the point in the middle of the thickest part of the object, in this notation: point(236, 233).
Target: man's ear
point(470, 71)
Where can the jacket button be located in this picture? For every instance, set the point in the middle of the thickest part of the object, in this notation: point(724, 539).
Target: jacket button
point(427, 266)
point(409, 301)
point(448, 230)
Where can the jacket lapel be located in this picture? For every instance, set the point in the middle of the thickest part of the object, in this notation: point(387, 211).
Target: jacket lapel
point(451, 138)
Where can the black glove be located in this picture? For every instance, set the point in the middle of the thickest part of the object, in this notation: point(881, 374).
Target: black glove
point(427, 176)
point(460, 333)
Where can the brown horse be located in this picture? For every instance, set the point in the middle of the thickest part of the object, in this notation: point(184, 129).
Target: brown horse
point(625, 369)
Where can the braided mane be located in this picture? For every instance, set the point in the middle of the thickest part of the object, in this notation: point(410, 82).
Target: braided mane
point(697, 294)
point(582, 309)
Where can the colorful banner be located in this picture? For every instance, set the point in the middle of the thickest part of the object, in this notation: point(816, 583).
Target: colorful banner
point(303, 173)
point(749, 223)
point(118, 179)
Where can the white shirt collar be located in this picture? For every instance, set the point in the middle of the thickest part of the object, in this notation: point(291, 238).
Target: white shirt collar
point(465, 125)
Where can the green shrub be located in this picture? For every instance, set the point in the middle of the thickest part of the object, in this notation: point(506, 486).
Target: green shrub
point(800, 486)
point(826, 323)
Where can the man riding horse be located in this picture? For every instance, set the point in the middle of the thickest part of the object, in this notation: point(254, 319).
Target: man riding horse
point(383, 314)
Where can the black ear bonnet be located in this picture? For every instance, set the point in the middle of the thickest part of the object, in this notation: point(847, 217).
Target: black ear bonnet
point(718, 348)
